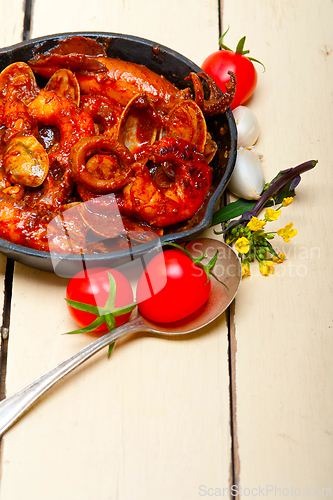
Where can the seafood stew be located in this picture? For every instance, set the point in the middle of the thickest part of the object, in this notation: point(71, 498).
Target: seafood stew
point(108, 152)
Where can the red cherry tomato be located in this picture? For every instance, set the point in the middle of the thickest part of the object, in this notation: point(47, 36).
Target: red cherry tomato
point(219, 63)
point(91, 286)
point(172, 287)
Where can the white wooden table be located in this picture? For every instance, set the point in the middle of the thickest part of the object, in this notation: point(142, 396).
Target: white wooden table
point(246, 407)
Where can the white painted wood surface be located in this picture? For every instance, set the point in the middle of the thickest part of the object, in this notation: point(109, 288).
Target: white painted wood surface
point(176, 24)
point(11, 21)
point(153, 421)
point(284, 323)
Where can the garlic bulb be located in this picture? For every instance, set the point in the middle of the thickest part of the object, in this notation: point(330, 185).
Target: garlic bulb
point(247, 180)
point(247, 127)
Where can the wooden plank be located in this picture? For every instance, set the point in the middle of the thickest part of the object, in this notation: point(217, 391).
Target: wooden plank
point(283, 323)
point(12, 19)
point(153, 421)
point(10, 34)
point(178, 25)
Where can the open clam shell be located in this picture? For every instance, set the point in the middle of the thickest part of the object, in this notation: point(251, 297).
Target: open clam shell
point(22, 82)
point(102, 216)
point(138, 124)
point(187, 121)
point(25, 160)
point(64, 83)
point(176, 68)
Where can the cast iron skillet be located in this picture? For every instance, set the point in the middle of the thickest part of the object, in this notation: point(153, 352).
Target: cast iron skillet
point(173, 66)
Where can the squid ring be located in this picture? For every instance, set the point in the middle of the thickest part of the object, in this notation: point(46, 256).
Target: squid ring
point(158, 206)
point(101, 164)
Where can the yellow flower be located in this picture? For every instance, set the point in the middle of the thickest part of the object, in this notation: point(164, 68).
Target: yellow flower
point(271, 214)
point(286, 232)
point(245, 269)
point(255, 224)
point(242, 245)
point(287, 201)
point(279, 259)
point(266, 267)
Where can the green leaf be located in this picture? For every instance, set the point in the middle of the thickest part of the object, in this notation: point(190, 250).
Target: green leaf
point(222, 282)
point(256, 60)
point(83, 307)
point(111, 346)
point(110, 321)
point(226, 31)
point(287, 190)
point(208, 269)
point(212, 261)
point(220, 41)
point(98, 322)
point(169, 243)
point(240, 46)
point(109, 306)
point(235, 209)
point(123, 310)
point(231, 211)
point(225, 47)
point(271, 249)
point(239, 49)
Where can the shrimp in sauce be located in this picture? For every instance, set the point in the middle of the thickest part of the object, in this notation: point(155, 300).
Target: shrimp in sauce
point(100, 127)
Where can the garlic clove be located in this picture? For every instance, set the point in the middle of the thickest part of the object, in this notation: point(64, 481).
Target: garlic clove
point(247, 126)
point(247, 180)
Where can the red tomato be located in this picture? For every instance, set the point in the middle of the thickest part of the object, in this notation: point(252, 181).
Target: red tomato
point(91, 286)
point(172, 287)
point(219, 63)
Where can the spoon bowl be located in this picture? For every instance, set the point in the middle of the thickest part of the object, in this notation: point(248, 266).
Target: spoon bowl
point(227, 269)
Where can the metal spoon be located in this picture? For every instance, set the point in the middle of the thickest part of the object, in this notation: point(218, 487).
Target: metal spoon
point(227, 269)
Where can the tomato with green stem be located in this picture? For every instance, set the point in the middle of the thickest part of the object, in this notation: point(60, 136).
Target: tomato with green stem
point(174, 285)
point(218, 64)
point(99, 299)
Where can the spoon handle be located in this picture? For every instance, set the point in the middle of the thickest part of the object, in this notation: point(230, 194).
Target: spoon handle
point(14, 406)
